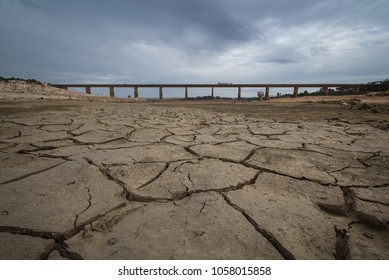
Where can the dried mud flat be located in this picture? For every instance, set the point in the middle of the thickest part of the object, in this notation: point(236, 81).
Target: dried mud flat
point(101, 180)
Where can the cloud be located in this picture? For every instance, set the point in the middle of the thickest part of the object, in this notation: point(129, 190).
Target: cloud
point(34, 4)
point(194, 41)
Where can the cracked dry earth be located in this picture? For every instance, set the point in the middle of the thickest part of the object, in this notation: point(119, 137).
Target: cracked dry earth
point(137, 181)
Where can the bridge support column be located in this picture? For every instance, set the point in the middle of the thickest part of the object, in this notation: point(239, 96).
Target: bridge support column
point(239, 92)
point(186, 93)
point(295, 91)
point(135, 92)
point(87, 90)
point(212, 94)
point(111, 92)
point(325, 91)
point(160, 93)
point(267, 94)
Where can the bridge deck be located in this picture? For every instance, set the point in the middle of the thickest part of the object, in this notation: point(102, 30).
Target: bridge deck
point(219, 85)
point(209, 85)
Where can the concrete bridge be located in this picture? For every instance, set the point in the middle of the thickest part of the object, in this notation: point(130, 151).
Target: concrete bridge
point(295, 87)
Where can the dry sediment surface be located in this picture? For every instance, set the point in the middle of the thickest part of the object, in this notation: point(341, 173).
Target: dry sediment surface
point(101, 180)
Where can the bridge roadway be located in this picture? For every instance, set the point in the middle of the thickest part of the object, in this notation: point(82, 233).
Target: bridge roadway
point(219, 85)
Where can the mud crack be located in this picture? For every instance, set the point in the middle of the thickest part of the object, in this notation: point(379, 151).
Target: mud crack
point(142, 225)
point(125, 193)
point(342, 250)
point(372, 201)
point(31, 174)
point(285, 253)
point(303, 178)
point(367, 219)
point(63, 250)
point(349, 199)
point(86, 208)
point(155, 177)
point(31, 232)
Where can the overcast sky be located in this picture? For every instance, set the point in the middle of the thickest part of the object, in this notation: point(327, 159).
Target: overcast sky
point(195, 41)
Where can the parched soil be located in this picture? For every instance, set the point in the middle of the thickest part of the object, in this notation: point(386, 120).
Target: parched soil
point(294, 110)
point(90, 179)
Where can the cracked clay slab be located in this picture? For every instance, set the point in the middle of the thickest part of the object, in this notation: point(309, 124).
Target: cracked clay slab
point(287, 209)
point(183, 178)
point(366, 243)
point(296, 163)
point(20, 166)
point(61, 198)
point(23, 247)
point(202, 226)
point(235, 151)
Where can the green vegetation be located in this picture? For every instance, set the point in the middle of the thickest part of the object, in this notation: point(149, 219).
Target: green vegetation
point(377, 86)
point(29, 81)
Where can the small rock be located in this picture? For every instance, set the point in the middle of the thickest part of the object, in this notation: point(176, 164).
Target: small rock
point(87, 232)
point(112, 241)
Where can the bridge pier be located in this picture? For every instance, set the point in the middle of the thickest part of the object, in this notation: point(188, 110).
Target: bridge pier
point(160, 93)
point(325, 88)
point(186, 93)
point(111, 92)
point(325, 91)
point(296, 91)
point(135, 92)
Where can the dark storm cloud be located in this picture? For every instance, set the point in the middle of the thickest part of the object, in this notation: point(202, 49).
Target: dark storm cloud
point(211, 18)
point(196, 41)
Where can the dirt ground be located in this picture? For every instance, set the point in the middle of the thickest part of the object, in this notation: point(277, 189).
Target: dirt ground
point(93, 179)
point(291, 109)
